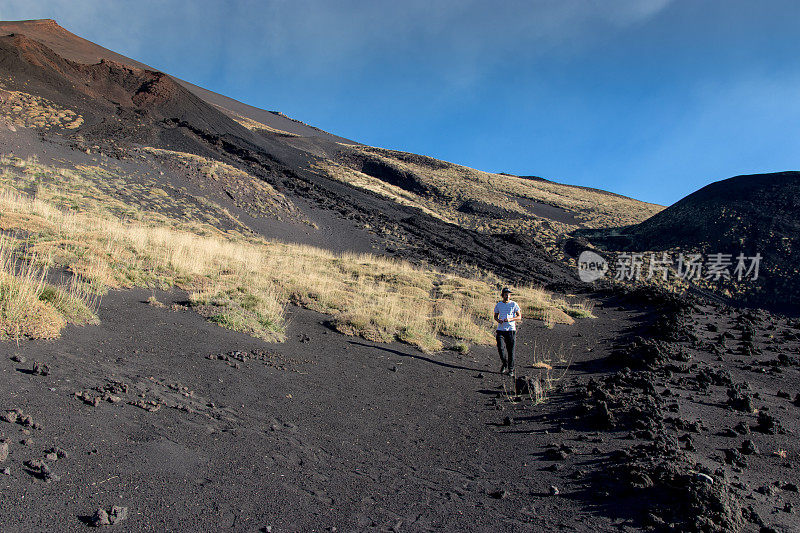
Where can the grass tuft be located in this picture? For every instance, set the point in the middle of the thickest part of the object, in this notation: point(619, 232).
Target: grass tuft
point(32, 308)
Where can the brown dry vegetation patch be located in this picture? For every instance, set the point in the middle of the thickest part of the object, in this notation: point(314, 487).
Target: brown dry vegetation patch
point(30, 306)
point(26, 110)
point(248, 192)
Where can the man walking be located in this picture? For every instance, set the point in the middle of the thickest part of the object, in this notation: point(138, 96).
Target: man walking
point(506, 313)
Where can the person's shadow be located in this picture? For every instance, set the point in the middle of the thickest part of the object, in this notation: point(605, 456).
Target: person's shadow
point(421, 358)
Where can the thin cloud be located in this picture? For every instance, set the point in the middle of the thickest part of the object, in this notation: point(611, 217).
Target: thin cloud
point(627, 12)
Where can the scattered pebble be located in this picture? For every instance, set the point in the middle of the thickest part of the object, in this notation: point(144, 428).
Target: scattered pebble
point(41, 369)
point(48, 475)
point(148, 405)
point(749, 447)
point(42, 470)
point(555, 455)
point(10, 416)
point(108, 518)
point(88, 398)
point(272, 359)
point(766, 490)
point(768, 424)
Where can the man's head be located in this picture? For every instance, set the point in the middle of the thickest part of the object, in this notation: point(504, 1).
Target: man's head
point(505, 294)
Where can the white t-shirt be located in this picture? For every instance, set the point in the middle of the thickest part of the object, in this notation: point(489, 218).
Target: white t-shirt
point(506, 310)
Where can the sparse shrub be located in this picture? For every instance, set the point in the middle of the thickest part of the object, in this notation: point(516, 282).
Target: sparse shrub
point(153, 301)
point(582, 309)
point(48, 293)
point(460, 347)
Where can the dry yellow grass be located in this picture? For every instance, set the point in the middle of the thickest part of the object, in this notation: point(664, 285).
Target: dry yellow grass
point(31, 307)
point(26, 110)
point(364, 181)
point(254, 125)
point(594, 208)
point(105, 190)
point(244, 283)
point(248, 192)
point(452, 185)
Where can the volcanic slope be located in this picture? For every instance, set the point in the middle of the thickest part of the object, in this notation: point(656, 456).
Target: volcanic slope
point(80, 50)
point(447, 222)
point(161, 155)
point(750, 214)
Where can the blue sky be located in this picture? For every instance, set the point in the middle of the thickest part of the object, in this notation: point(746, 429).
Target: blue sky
point(648, 98)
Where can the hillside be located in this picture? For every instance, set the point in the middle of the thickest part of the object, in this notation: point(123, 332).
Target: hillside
point(125, 141)
point(484, 201)
point(75, 48)
point(543, 210)
point(749, 215)
point(122, 107)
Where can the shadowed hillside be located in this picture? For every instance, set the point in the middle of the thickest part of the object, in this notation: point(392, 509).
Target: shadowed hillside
point(752, 214)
